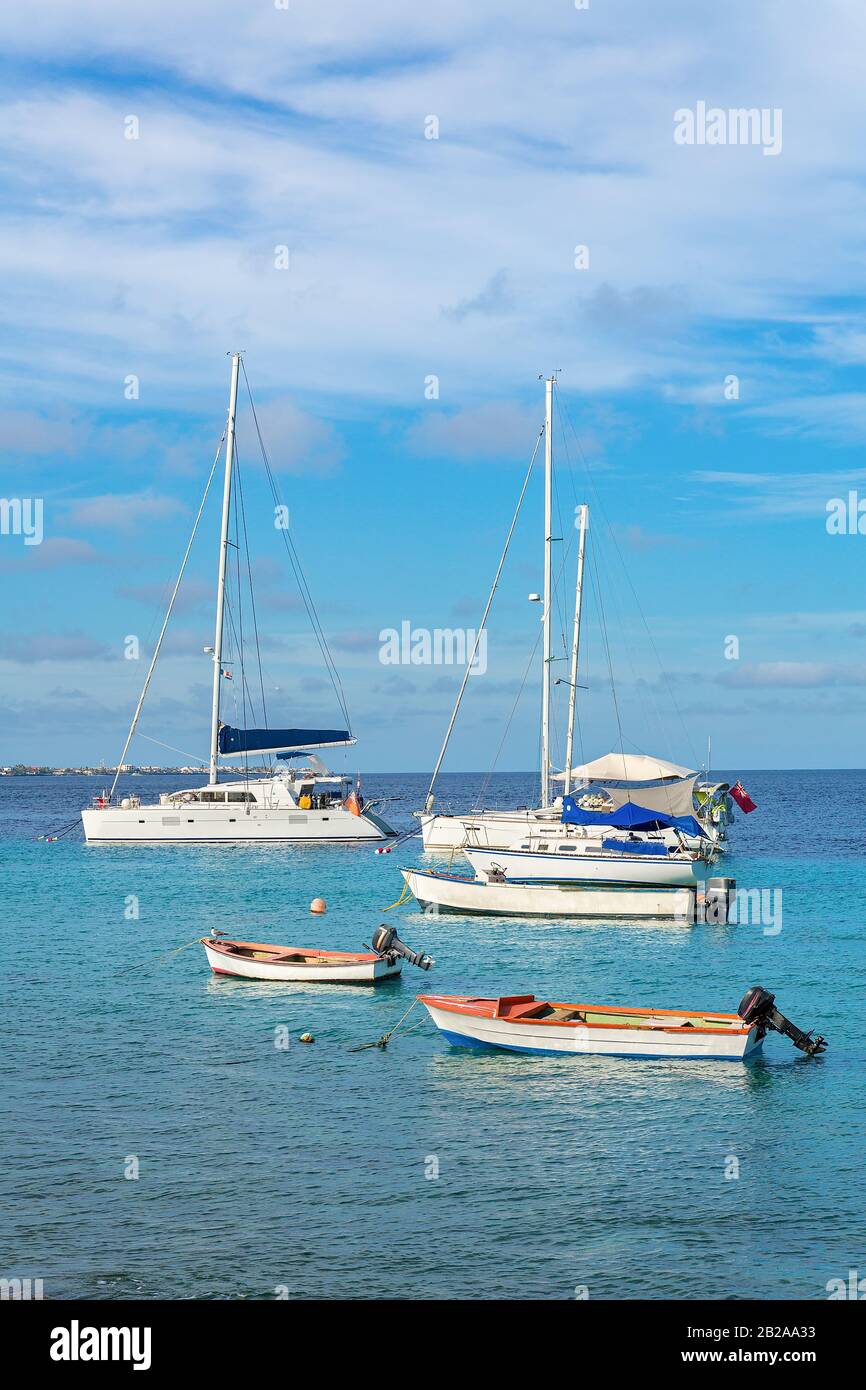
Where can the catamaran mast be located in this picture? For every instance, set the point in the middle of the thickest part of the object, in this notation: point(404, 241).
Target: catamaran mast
point(221, 581)
point(547, 653)
point(575, 647)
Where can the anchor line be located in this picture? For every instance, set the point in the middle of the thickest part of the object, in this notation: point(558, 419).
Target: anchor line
point(386, 1037)
point(407, 893)
point(61, 831)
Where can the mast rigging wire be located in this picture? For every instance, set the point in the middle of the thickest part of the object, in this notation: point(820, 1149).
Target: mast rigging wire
point(157, 648)
point(564, 414)
point(495, 585)
point(300, 578)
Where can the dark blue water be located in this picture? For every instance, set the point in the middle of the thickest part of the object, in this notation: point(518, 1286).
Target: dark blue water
point(306, 1168)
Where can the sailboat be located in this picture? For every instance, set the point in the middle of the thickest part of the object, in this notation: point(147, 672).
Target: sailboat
point(494, 828)
point(301, 804)
point(615, 783)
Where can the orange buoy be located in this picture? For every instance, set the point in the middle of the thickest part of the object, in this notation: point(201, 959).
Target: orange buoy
point(318, 905)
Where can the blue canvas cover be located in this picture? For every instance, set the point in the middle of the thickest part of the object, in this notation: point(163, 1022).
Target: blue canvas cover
point(234, 741)
point(627, 817)
point(636, 846)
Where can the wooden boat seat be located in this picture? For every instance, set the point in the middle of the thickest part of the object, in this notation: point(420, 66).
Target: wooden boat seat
point(541, 1010)
point(564, 1015)
point(531, 1010)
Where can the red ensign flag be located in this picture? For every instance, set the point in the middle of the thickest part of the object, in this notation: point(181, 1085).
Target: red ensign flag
point(742, 798)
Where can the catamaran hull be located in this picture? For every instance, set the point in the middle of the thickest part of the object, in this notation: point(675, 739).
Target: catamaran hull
point(635, 870)
point(500, 1034)
point(324, 972)
point(454, 893)
point(204, 824)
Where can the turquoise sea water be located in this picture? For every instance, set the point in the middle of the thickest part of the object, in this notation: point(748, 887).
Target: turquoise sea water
point(312, 1168)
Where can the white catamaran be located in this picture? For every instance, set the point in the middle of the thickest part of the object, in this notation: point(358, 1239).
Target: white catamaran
point(297, 805)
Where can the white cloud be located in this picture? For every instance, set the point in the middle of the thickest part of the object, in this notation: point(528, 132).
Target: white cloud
point(29, 647)
point(494, 430)
point(805, 675)
point(296, 441)
point(788, 495)
point(305, 127)
point(55, 552)
point(122, 511)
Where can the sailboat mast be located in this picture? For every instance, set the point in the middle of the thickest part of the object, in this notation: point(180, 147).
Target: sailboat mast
point(575, 647)
point(221, 580)
point(547, 653)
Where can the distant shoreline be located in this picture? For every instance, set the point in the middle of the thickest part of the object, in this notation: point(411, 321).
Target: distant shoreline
point(23, 770)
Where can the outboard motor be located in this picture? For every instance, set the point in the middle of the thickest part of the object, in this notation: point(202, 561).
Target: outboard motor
point(720, 895)
point(387, 944)
point(758, 1006)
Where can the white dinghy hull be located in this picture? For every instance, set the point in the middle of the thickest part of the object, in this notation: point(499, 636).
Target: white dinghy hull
point(454, 893)
point(475, 1023)
point(302, 966)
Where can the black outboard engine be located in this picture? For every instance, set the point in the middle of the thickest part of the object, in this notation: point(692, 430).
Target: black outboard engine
point(758, 1006)
point(387, 944)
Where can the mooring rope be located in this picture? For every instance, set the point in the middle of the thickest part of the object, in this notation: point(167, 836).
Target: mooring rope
point(386, 1037)
point(162, 958)
point(407, 893)
point(61, 831)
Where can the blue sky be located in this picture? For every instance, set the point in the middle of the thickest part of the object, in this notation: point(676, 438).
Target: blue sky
point(411, 257)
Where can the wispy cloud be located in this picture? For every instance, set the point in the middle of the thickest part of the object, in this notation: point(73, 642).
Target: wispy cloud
point(494, 300)
point(502, 430)
point(296, 441)
point(55, 552)
point(782, 495)
point(800, 675)
point(29, 648)
point(306, 133)
point(122, 511)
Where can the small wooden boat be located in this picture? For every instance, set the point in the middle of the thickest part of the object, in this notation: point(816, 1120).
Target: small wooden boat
point(257, 960)
point(522, 1023)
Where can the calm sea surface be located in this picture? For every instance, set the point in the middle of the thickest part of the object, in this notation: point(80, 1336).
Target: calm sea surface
point(309, 1168)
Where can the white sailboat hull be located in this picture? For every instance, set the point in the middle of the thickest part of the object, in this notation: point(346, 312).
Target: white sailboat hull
point(637, 870)
point(200, 823)
point(453, 893)
point(503, 829)
point(489, 829)
point(464, 1030)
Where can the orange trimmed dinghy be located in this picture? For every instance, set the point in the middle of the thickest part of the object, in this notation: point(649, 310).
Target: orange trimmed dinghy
point(258, 960)
point(522, 1023)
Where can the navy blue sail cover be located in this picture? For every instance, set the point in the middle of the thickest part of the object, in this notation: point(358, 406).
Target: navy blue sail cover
point(636, 846)
point(627, 817)
point(233, 741)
